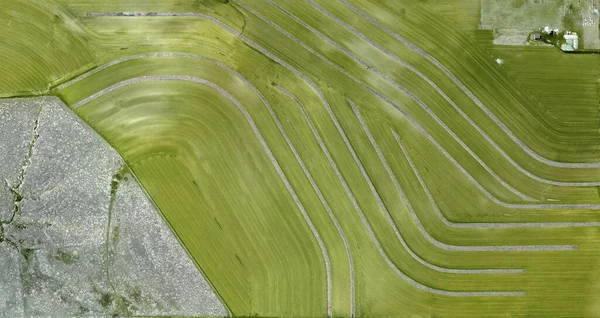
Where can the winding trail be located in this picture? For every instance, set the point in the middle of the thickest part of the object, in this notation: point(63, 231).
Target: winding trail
point(420, 226)
point(472, 96)
point(478, 225)
point(387, 100)
point(313, 85)
point(260, 138)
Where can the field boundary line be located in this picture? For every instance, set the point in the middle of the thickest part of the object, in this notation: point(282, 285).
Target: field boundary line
point(264, 101)
point(86, 125)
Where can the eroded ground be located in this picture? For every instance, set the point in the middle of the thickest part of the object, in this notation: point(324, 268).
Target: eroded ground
point(78, 235)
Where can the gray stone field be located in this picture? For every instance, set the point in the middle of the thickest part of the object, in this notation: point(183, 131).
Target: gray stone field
point(78, 235)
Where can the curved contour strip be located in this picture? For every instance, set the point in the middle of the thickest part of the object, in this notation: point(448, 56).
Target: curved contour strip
point(269, 108)
point(420, 226)
point(259, 136)
point(479, 225)
point(322, 97)
point(331, 215)
point(474, 98)
point(430, 82)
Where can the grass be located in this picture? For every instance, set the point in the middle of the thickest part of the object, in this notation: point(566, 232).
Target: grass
point(453, 173)
point(569, 90)
point(247, 200)
point(38, 48)
point(465, 13)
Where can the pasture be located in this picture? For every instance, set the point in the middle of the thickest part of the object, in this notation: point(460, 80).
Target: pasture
point(342, 158)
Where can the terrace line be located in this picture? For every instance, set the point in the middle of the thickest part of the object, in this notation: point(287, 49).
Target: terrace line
point(474, 98)
point(424, 77)
point(326, 103)
point(353, 199)
point(273, 57)
point(420, 226)
point(478, 225)
point(267, 105)
point(259, 136)
point(414, 122)
point(374, 92)
point(494, 199)
point(321, 197)
point(469, 176)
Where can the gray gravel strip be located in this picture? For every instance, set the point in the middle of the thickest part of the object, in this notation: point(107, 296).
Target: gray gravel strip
point(443, 68)
point(478, 225)
point(420, 226)
point(387, 100)
point(144, 251)
point(437, 88)
point(268, 54)
point(259, 136)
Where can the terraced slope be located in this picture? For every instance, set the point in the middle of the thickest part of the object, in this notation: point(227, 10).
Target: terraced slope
point(344, 158)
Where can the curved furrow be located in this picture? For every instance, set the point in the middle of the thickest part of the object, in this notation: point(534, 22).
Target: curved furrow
point(420, 226)
point(324, 202)
point(273, 115)
point(387, 100)
point(388, 216)
point(430, 82)
point(260, 138)
point(447, 222)
point(472, 96)
point(490, 196)
point(279, 61)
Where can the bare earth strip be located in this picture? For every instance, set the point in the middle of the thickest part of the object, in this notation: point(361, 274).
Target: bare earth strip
point(420, 226)
point(490, 114)
point(423, 76)
point(328, 107)
point(387, 100)
point(259, 136)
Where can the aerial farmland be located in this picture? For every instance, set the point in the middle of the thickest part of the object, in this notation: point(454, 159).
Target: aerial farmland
point(300, 158)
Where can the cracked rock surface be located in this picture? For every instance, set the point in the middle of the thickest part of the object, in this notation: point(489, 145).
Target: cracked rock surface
point(78, 236)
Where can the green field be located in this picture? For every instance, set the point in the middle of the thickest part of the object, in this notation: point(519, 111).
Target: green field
point(339, 158)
